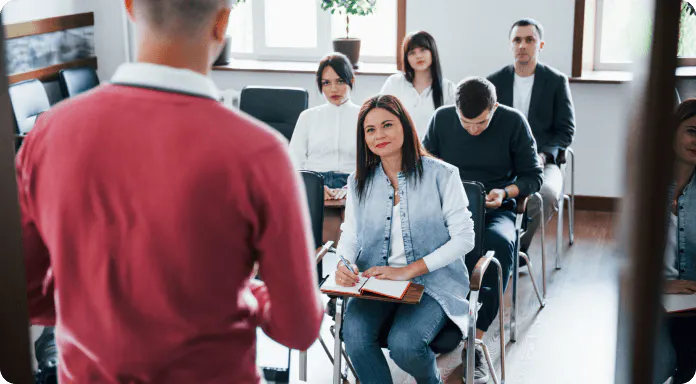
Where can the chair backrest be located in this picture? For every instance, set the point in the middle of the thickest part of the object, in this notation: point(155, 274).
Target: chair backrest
point(314, 186)
point(29, 100)
point(74, 81)
point(476, 193)
point(279, 107)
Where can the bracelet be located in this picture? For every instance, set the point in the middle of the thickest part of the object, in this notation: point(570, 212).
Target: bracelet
point(506, 193)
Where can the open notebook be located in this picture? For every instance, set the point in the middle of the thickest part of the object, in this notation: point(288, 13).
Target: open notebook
point(679, 303)
point(387, 288)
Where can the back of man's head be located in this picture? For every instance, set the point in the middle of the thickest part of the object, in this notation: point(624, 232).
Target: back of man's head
point(179, 18)
point(474, 96)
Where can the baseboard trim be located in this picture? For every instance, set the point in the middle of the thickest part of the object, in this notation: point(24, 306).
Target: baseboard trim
point(597, 203)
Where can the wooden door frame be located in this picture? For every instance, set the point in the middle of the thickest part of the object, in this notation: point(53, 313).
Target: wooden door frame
point(15, 352)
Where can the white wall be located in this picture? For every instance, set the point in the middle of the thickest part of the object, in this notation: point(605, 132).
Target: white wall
point(472, 39)
point(108, 24)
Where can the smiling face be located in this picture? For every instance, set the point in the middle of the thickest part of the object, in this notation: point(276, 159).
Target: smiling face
point(384, 134)
point(334, 88)
point(479, 124)
point(525, 44)
point(685, 141)
point(420, 59)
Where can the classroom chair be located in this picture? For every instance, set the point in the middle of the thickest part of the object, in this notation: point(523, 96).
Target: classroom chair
point(279, 107)
point(29, 100)
point(74, 81)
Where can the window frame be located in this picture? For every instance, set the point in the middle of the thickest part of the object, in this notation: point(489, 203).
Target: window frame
point(261, 52)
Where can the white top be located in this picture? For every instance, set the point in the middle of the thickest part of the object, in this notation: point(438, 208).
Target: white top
point(397, 253)
point(324, 138)
point(454, 203)
point(168, 78)
point(522, 90)
point(671, 272)
point(420, 106)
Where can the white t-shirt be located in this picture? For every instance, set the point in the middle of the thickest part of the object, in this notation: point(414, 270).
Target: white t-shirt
point(419, 105)
point(324, 138)
point(671, 272)
point(522, 90)
point(397, 253)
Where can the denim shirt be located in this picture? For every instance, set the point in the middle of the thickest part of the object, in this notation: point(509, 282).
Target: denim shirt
point(424, 227)
point(686, 231)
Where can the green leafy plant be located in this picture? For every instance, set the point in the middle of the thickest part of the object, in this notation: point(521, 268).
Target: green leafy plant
point(348, 8)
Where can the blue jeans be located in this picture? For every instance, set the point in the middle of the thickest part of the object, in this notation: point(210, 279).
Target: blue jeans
point(410, 329)
point(335, 180)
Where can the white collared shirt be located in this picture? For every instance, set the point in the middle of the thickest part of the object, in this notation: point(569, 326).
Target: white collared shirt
point(166, 78)
point(324, 138)
point(419, 105)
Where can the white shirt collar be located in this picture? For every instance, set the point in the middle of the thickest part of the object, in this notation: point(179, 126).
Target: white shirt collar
point(166, 78)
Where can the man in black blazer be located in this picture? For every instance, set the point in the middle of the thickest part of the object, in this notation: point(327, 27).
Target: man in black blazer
point(542, 94)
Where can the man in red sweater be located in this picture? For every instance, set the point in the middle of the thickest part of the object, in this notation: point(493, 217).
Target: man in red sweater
point(145, 205)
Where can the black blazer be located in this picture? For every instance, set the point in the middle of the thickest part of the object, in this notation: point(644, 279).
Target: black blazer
point(551, 111)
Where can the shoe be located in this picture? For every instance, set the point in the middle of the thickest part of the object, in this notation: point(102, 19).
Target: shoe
point(481, 373)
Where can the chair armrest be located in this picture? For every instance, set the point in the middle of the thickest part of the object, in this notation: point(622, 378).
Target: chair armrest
point(479, 270)
point(522, 204)
point(323, 250)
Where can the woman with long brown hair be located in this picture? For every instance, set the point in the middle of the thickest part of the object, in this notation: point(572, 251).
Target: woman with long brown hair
point(406, 219)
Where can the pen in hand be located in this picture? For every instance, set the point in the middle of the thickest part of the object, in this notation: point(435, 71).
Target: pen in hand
point(344, 277)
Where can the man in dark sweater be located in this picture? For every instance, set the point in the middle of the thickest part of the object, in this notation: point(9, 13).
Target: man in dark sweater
point(491, 144)
point(542, 94)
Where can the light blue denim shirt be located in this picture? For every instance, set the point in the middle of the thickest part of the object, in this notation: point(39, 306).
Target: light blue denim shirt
point(436, 227)
point(684, 256)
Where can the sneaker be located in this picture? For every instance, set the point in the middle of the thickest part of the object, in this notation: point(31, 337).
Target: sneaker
point(481, 373)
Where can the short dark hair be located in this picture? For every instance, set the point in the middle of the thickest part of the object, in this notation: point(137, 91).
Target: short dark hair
point(527, 22)
point(179, 17)
point(340, 64)
point(475, 95)
point(412, 151)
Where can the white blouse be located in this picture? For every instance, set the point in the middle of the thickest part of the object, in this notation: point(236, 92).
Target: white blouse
point(324, 138)
point(420, 106)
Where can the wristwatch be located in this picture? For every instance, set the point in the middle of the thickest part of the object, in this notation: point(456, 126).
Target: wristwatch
point(506, 193)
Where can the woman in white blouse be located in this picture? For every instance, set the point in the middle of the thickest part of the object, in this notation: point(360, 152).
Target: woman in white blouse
point(421, 87)
point(324, 137)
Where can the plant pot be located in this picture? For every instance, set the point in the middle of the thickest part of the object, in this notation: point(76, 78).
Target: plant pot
point(224, 57)
point(349, 47)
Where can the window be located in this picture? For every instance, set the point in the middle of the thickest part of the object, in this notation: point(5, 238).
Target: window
point(299, 30)
point(623, 32)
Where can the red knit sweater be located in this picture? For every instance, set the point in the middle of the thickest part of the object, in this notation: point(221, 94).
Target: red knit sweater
point(143, 213)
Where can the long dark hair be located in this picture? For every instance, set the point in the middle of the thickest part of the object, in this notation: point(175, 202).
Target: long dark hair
point(411, 152)
point(422, 39)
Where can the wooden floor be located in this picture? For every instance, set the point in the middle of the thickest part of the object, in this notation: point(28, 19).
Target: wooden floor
point(571, 340)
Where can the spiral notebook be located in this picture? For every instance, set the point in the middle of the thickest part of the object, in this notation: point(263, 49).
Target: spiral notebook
point(387, 288)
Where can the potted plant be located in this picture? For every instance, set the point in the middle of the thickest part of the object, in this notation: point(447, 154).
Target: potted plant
point(224, 57)
point(348, 45)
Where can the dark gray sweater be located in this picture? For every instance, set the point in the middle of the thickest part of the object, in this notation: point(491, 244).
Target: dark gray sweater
point(504, 154)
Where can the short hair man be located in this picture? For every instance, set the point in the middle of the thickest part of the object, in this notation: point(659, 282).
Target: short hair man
point(491, 144)
point(542, 94)
point(145, 206)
